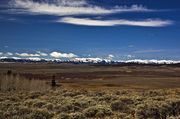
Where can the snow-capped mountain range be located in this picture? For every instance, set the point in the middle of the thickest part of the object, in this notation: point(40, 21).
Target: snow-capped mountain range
point(88, 60)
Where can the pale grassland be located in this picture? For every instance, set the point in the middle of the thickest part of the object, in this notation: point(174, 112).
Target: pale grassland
point(23, 97)
point(36, 100)
point(16, 82)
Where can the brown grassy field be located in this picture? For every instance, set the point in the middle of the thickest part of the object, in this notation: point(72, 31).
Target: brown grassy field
point(136, 77)
point(87, 91)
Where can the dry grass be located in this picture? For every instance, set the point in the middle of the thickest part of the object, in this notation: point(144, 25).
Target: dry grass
point(27, 97)
point(16, 83)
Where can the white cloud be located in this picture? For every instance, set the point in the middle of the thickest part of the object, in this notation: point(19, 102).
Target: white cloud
point(130, 56)
point(34, 58)
point(110, 56)
point(83, 7)
point(62, 55)
point(42, 53)
point(70, 7)
point(8, 54)
point(92, 22)
point(27, 55)
point(1, 53)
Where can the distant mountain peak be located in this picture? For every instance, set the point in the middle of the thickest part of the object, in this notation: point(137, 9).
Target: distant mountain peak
point(88, 60)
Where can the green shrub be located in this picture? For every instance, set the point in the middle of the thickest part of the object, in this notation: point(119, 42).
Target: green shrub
point(40, 114)
point(97, 111)
point(2, 115)
point(73, 105)
point(121, 92)
point(48, 106)
point(38, 103)
point(63, 116)
point(128, 117)
point(22, 110)
point(175, 107)
point(77, 115)
point(91, 104)
point(127, 100)
point(71, 94)
point(107, 98)
point(68, 108)
point(5, 105)
point(29, 102)
point(119, 106)
point(174, 117)
point(121, 115)
point(34, 95)
point(147, 111)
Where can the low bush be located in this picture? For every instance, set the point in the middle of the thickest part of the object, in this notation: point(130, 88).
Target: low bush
point(98, 111)
point(158, 109)
point(118, 105)
point(74, 104)
point(38, 104)
point(174, 117)
point(48, 106)
point(77, 115)
point(2, 115)
point(41, 114)
point(63, 116)
point(145, 111)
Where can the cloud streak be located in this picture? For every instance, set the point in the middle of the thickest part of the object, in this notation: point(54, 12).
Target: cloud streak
point(148, 51)
point(65, 9)
point(92, 22)
point(70, 7)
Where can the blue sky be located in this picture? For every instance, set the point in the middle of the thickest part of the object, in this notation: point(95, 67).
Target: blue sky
point(116, 29)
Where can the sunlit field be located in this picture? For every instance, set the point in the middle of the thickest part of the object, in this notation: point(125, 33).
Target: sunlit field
point(83, 91)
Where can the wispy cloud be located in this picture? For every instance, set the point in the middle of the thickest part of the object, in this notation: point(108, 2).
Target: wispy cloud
point(70, 7)
point(8, 18)
point(92, 22)
point(62, 55)
point(148, 51)
point(130, 46)
point(66, 8)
